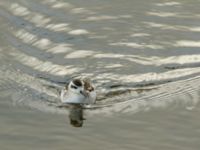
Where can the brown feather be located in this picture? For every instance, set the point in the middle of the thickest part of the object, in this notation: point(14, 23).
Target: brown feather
point(88, 86)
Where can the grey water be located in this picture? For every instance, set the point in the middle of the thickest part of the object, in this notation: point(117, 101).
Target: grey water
point(142, 56)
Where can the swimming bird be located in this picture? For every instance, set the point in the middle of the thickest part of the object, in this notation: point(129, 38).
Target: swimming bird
point(78, 91)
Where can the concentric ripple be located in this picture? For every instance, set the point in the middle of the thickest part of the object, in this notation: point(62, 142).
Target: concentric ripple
point(138, 61)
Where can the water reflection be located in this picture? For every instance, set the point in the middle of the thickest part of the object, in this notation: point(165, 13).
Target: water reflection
point(168, 4)
point(143, 57)
point(53, 40)
point(76, 115)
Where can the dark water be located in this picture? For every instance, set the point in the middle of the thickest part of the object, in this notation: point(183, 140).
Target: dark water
point(143, 57)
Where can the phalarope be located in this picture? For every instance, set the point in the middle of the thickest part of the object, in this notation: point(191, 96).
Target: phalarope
point(78, 91)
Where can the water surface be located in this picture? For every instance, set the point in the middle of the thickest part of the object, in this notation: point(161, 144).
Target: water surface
point(142, 56)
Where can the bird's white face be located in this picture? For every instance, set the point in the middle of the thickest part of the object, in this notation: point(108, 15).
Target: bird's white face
point(79, 91)
point(77, 88)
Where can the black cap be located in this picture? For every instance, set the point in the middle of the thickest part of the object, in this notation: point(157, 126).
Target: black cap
point(77, 82)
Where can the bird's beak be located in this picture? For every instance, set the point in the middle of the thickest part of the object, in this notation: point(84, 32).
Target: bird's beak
point(84, 93)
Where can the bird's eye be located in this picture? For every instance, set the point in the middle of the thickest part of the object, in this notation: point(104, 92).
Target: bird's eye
point(74, 87)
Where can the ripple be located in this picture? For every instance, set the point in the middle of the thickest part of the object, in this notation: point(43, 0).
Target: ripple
point(138, 61)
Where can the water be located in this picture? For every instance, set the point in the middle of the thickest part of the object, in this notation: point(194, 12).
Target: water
point(143, 57)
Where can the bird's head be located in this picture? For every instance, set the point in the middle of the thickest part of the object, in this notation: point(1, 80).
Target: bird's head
point(76, 86)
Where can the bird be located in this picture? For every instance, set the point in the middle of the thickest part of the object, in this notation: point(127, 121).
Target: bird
point(78, 91)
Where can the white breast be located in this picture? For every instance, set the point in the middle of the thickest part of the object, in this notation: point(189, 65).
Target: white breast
point(67, 97)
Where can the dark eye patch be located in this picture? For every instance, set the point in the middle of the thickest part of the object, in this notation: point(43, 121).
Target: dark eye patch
point(77, 82)
point(74, 87)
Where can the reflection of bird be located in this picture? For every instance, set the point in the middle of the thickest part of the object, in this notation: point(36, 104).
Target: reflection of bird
point(76, 115)
point(78, 91)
